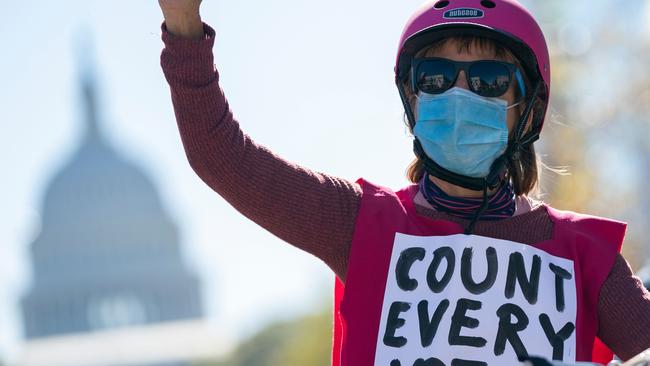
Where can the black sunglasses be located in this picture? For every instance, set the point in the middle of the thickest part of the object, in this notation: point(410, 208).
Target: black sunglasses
point(487, 78)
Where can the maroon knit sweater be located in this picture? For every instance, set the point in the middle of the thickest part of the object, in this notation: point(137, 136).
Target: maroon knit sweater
point(316, 212)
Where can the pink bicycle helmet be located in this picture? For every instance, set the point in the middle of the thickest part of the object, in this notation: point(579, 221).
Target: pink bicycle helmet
point(505, 21)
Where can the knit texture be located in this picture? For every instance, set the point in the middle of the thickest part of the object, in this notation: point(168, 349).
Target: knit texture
point(316, 212)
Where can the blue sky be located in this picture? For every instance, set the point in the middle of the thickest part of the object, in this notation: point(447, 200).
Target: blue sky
point(264, 57)
point(319, 76)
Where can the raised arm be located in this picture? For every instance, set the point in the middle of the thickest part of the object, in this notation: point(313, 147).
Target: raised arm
point(310, 210)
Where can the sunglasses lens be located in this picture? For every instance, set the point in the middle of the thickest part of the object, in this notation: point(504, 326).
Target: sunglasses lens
point(435, 76)
point(489, 79)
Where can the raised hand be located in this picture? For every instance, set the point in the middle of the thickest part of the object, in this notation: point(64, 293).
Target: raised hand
point(182, 17)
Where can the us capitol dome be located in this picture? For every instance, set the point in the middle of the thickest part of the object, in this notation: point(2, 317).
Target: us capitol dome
point(109, 282)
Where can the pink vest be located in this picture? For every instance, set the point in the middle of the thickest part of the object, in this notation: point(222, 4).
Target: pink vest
point(591, 243)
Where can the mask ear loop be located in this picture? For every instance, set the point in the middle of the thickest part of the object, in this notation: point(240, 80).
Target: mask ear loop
point(515, 104)
point(518, 143)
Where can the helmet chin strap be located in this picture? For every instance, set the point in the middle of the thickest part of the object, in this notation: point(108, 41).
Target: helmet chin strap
point(499, 168)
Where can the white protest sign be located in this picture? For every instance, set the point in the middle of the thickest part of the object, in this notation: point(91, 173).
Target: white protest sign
point(467, 300)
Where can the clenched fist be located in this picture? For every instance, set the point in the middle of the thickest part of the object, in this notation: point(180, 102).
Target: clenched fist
point(182, 17)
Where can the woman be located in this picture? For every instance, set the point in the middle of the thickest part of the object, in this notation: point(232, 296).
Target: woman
point(461, 268)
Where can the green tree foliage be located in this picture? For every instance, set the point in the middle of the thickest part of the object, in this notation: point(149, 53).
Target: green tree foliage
point(303, 341)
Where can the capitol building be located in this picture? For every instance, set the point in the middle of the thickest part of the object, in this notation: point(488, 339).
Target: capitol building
point(109, 282)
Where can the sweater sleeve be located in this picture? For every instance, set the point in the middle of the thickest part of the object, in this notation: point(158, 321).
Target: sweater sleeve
point(312, 211)
point(624, 312)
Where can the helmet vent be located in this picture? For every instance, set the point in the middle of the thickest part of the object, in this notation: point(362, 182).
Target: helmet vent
point(441, 4)
point(488, 4)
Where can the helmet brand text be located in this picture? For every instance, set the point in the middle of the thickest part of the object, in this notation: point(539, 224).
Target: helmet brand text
point(461, 13)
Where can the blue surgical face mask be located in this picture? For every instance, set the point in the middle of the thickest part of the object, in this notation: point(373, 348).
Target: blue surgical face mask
point(462, 131)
